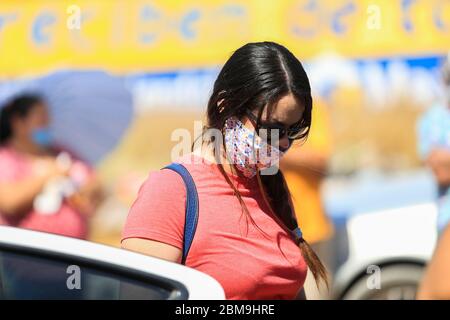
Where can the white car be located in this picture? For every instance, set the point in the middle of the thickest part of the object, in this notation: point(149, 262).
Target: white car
point(384, 236)
point(36, 265)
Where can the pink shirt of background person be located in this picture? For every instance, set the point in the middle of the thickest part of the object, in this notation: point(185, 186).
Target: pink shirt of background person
point(66, 221)
point(247, 263)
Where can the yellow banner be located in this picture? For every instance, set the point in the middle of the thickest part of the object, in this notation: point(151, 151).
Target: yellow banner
point(125, 36)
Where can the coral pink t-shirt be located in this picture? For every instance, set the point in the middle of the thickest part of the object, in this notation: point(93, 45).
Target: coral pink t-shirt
point(227, 246)
point(66, 221)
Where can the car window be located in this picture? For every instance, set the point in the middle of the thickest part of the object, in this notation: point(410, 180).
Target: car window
point(25, 274)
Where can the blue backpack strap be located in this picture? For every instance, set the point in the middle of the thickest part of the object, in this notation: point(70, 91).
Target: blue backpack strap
point(191, 214)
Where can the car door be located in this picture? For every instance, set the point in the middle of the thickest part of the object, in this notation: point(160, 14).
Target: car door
point(36, 265)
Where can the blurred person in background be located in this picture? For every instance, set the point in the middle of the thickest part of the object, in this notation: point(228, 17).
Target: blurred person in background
point(304, 168)
point(247, 235)
point(436, 281)
point(434, 147)
point(434, 144)
point(42, 187)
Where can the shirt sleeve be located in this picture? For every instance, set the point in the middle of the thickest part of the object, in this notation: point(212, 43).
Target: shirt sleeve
point(158, 213)
point(427, 133)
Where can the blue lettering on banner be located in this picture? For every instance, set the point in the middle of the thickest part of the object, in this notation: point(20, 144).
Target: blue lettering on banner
point(7, 18)
point(437, 16)
point(39, 33)
point(186, 26)
point(336, 21)
point(311, 7)
point(148, 14)
point(406, 13)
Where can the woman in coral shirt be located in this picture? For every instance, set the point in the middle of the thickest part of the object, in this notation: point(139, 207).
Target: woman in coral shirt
point(247, 234)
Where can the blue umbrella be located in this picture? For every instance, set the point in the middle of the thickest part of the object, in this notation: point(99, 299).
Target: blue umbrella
point(90, 110)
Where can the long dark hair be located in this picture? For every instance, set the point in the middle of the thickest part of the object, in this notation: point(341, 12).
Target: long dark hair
point(255, 76)
point(19, 106)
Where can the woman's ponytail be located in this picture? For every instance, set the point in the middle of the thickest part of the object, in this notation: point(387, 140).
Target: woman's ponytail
point(314, 264)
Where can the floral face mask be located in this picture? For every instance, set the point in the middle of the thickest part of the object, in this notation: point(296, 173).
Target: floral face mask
point(246, 150)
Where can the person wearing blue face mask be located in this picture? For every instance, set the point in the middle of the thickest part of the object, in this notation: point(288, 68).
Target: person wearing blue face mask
point(41, 187)
point(433, 132)
point(434, 148)
point(42, 136)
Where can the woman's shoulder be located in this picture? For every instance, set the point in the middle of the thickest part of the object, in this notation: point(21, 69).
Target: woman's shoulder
point(163, 181)
point(196, 164)
point(167, 180)
point(7, 154)
point(190, 159)
point(11, 164)
point(5, 149)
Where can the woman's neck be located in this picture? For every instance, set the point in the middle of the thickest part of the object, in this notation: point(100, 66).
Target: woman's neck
point(211, 154)
point(27, 147)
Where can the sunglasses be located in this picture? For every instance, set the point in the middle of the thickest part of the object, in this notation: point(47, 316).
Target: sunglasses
point(294, 132)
